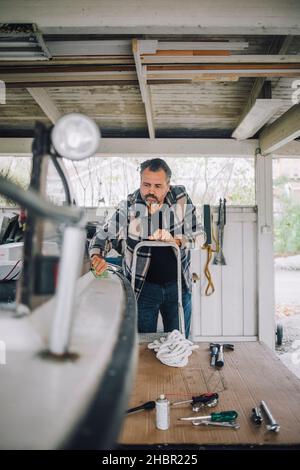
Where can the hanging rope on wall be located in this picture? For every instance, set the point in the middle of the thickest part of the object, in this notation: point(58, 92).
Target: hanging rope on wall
point(207, 217)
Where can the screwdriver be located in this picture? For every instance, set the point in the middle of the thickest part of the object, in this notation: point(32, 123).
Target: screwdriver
point(224, 416)
point(204, 398)
point(149, 405)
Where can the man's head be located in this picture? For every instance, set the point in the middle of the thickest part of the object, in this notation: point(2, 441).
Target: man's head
point(155, 180)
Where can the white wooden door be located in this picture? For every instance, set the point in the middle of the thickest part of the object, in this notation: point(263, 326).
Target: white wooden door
point(230, 313)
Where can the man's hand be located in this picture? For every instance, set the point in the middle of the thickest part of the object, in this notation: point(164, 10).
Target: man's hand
point(98, 264)
point(163, 235)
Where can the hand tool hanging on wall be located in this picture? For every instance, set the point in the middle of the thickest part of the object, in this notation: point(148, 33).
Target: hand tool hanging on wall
point(219, 258)
point(207, 219)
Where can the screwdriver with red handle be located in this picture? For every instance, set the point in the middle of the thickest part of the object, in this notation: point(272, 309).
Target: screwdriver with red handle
point(203, 399)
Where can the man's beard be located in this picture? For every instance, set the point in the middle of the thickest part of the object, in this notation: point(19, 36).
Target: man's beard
point(148, 196)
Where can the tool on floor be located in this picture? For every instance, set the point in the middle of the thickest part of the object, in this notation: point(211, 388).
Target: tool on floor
point(273, 426)
point(210, 404)
point(219, 258)
point(223, 416)
point(149, 405)
point(223, 424)
point(199, 401)
point(220, 357)
point(214, 349)
point(217, 355)
point(256, 416)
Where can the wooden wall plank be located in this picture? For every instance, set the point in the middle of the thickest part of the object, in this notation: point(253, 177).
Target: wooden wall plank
point(232, 310)
point(196, 292)
point(211, 306)
point(250, 313)
point(232, 280)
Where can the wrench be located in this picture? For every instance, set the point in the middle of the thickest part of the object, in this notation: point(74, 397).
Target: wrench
point(232, 425)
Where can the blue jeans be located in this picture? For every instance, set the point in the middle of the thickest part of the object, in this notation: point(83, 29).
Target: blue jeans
point(154, 298)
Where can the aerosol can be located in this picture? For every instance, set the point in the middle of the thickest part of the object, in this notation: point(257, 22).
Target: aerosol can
point(162, 409)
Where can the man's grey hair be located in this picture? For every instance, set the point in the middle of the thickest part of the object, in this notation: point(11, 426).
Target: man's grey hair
point(156, 164)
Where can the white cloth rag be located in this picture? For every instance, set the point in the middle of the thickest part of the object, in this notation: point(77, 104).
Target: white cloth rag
point(174, 349)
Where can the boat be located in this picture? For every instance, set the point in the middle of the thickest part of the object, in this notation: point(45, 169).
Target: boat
point(68, 342)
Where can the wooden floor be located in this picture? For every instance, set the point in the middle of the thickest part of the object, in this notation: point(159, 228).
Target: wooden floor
point(251, 373)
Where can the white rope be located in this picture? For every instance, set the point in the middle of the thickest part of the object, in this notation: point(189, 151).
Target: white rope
point(174, 349)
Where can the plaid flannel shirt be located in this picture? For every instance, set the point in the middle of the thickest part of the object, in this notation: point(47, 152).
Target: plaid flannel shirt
point(130, 224)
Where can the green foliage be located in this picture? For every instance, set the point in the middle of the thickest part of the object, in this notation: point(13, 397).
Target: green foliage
point(280, 181)
point(243, 196)
point(287, 230)
point(18, 180)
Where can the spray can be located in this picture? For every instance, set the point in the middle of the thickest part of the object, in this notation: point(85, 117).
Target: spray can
point(162, 409)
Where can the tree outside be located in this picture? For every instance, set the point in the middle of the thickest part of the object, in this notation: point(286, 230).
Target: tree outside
point(286, 190)
point(16, 170)
point(206, 179)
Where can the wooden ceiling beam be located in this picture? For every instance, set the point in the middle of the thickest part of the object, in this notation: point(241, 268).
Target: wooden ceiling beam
point(189, 57)
point(188, 53)
point(168, 147)
point(134, 17)
point(258, 116)
point(199, 46)
point(63, 77)
point(46, 104)
point(148, 148)
point(285, 129)
point(75, 83)
point(232, 67)
point(289, 150)
point(218, 74)
point(50, 109)
point(94, 73)
point(144, 87)
point(278, 48)
point(91, 62)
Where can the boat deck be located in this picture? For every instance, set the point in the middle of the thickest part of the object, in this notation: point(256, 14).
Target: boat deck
point(251, 373)
point(43, 399)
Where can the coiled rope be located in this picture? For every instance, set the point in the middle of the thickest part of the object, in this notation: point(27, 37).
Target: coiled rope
point(174, 349)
